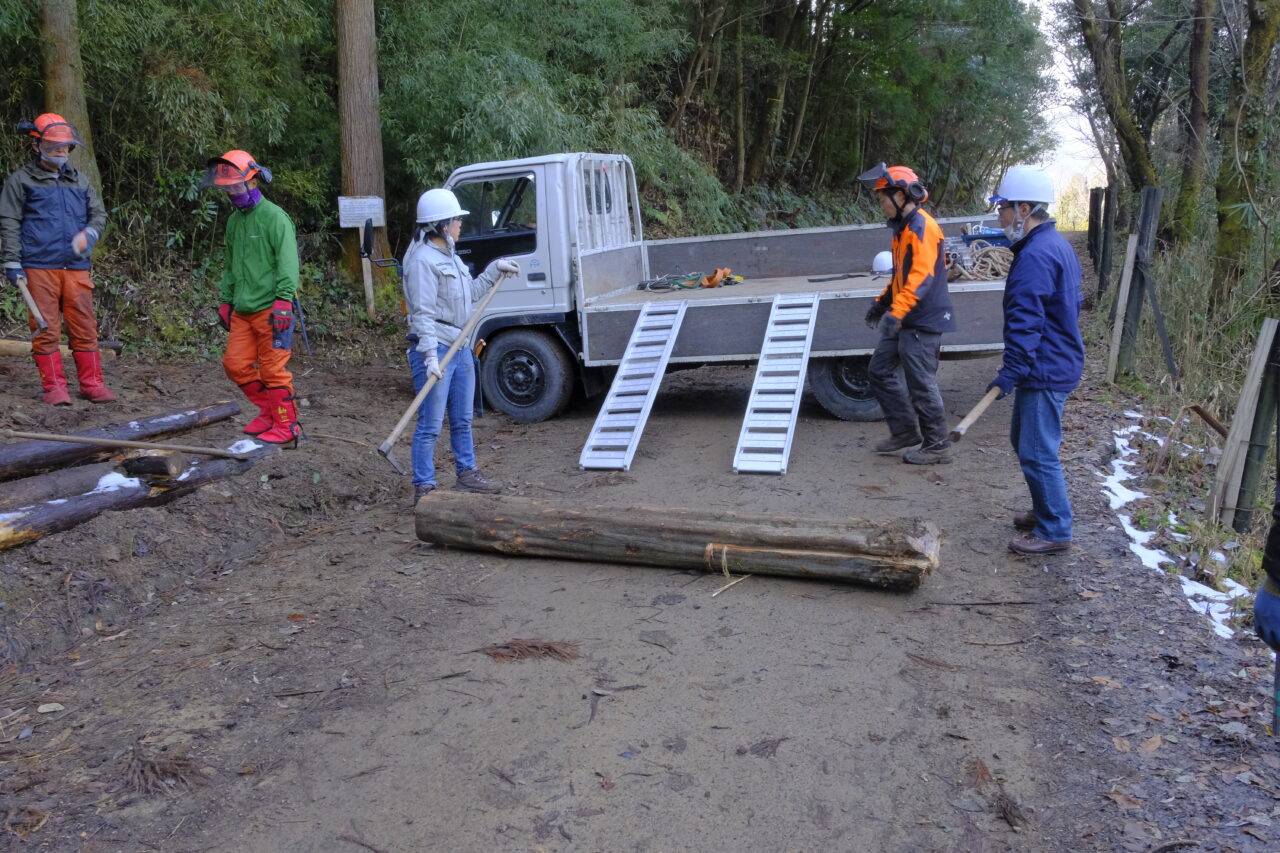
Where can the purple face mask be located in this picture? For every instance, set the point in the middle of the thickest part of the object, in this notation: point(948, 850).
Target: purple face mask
point(244, 201)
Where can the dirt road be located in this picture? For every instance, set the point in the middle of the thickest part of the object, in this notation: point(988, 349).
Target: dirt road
point(321, 665)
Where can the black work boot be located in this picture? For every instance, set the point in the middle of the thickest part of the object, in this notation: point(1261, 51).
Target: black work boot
point(937, 454)
point(420, 492)
point(471, 480)
point(894, 443)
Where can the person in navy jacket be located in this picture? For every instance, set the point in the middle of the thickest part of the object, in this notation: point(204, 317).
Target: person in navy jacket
point(1043, 352)
point(50, 219)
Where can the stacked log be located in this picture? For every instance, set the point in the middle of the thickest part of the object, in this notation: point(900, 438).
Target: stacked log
point(895, 554)
point(28, 457)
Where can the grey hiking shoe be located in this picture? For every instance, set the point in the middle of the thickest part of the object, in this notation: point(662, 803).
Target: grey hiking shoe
point(471, 480)
point(894, 443)
point(420, 492)
point(939, 454)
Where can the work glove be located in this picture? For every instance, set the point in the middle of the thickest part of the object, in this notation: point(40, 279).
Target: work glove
point(281, 315)
point(12, 274)
point(83, 243)
point(433, 366)
point(889, 326)
point(505, 265)
point(874, 313)
point(1266, 617)
point(224, 316)
point(1005, 386)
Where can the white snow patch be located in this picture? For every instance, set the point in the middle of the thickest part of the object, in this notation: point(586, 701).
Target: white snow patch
point(1150, 557)
point(1216, 605)
point(1132, 414)
point(6, 517)
point(114, 482)
point(244, 445)
point(57, 501)
point(1203, 599)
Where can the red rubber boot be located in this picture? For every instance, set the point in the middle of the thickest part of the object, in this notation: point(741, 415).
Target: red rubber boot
point(89, 369)
point(256, 391)
point(284, 412)
point(53, 380)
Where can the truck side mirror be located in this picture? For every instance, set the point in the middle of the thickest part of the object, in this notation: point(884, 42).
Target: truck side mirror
point(366, 242)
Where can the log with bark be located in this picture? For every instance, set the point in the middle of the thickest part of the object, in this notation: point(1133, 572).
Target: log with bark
point(28, 457)
point(56, 484)
point(114, 491)
point(161, 464)
point(12, 348)
point(895, 554)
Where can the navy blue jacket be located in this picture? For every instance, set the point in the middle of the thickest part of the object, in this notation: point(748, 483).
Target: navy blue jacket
point(40, 211)
point(1042, 345)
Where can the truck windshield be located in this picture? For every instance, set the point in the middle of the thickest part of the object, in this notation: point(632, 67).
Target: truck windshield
point(502, 218)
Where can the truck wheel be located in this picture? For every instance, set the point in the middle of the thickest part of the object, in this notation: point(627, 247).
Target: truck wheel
point(843, 388)
point(526, 375)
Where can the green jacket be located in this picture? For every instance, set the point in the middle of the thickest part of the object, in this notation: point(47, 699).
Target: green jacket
point(262, 259)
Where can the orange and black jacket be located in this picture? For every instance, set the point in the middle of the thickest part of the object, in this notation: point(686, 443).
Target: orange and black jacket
point(917, 292)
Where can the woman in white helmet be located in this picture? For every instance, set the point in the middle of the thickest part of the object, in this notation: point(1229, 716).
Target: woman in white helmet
point(439, 292)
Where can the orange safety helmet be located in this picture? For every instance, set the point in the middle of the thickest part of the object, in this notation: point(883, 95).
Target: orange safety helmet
point(234, 167)
point(51, 129)
point(895, 177)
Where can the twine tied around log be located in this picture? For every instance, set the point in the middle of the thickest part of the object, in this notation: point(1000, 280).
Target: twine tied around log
point(989, 263)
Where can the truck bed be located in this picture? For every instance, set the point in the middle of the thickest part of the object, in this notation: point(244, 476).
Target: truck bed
point(728, 323)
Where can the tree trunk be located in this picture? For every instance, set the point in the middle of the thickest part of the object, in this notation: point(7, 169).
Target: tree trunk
point(1108, 67)
point(360, 124)
point(708, 26)
point(33, 522)
point(1242, 133)
point(740, 115)
point(64, 78)
point(895, 554)
point(28, 457)
point(1187, 205)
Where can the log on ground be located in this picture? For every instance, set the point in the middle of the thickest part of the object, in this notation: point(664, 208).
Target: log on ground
point(162, 464)
point(62, 483)
point(28, 457)
point(18, 349)
point(33, 522)
point(894, 554)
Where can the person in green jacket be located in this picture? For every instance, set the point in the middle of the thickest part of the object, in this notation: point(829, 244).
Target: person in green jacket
point(258, 286)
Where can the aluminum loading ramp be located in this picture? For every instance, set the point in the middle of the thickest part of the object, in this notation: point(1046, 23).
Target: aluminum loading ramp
point(617, 430)
point(764, 444)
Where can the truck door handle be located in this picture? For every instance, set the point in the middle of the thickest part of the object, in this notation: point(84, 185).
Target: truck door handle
point(537, 276)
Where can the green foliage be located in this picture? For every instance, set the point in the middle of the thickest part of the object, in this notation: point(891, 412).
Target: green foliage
point(171, 84)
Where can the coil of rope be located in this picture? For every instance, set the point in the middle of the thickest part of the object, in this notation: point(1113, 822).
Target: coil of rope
point(988, 263)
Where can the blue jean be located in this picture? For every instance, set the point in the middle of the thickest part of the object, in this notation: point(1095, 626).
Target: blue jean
point(1036, 434)
point(453, 394)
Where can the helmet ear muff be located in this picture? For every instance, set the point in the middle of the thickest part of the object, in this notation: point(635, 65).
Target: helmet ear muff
point(916, 191)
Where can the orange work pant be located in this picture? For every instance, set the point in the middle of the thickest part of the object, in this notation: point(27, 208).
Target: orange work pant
point(249, 354)
point(63, 295)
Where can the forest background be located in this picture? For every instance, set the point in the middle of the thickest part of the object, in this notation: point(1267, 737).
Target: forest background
point(739, 115)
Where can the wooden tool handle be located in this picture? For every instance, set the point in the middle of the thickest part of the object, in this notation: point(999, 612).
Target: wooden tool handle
point(386, 446)
point(974, 413)
point(31, 303)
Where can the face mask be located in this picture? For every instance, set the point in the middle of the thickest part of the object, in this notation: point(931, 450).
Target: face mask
point(1014, 231)
point(56, 162)
point(244, 201)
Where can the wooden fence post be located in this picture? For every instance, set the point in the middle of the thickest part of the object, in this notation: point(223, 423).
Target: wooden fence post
point(1224, 497)
point(1108, 238)
point(1148, 219)
point(1095, 225)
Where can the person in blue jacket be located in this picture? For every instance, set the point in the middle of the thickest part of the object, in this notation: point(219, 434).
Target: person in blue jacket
point(1043, 352)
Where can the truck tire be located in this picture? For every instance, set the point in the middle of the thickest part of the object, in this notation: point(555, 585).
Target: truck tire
point(527, 375)
point(843, 388)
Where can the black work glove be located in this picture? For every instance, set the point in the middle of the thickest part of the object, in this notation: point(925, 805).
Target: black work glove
point(874, 313)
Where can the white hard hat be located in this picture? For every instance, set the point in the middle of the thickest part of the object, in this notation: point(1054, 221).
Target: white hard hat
point(1025, 183)
point(438, 205)
point(883, 262)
